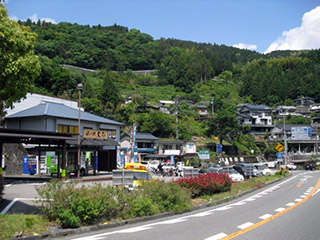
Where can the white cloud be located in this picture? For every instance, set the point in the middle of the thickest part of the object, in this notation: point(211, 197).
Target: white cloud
point(307, 36)
point(34, 18)
point(245, 46)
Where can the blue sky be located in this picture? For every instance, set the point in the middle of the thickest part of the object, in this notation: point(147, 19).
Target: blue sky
point(260, 25)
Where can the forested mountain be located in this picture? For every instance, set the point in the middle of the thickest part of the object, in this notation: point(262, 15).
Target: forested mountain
point(186, 70)
point(264, 79)
point(118, 48)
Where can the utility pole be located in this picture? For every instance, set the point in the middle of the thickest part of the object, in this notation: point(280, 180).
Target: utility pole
point(79, 130)
point(285, 137)
point(177, 119)
point(212, 105)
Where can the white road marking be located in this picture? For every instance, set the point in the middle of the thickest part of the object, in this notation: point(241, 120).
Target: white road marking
point(221, 208)
point(6, 209)
point(250, 199)
point(298, 199)
point(279, 209)
point(202, 214)
point(318, 190)
point(245, 225)
point(265, 216)
point(217, 236)
point(290, 204)
point(177, 220)
point(134, 229)
point(239, 203)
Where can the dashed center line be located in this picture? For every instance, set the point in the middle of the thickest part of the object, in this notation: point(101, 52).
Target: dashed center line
point(279, 209)
point(265, 216)
point(245, 225)
point(217, 236)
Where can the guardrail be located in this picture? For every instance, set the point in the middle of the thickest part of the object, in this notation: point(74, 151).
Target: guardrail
point(190, 172)
point(122, 178)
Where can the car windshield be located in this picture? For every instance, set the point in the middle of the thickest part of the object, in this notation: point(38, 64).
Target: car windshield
point(141, 176)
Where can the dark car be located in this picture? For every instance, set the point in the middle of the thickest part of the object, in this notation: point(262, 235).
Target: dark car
point(246, 170)
point(310, 166)
point(208, 170)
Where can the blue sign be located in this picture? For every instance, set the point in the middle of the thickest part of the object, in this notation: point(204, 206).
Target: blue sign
point(25, 165)
point(280, 155)
point(172, 159)
point(219, 148)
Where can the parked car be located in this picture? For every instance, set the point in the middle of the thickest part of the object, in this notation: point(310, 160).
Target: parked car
point(233, 174)
point(310, 166)
point(208, 170)
point(291, 166)
point(153, 164)
point(247, 170)
point(263, 169)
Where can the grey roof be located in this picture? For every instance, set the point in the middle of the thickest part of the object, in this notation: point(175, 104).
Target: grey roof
point(144, 136)
point(258, 107)
point(60, 111)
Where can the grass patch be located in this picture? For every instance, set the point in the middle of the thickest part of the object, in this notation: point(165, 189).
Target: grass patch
point(14, 225)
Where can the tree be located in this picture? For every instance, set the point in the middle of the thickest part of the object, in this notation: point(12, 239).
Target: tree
point(224, 125)
point(18, 63)
point(111, 92)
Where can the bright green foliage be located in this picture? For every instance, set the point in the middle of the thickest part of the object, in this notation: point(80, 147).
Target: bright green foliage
point(274, 81)
point(71, 206)
point(18, 63)
point(245, 144)
point(167, 196)
point(156, 123)
point(224, 125)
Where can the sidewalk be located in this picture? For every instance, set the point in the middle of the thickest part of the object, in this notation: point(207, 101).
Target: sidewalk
point(48, 178)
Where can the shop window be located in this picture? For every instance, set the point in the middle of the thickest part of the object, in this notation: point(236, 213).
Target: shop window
point(67, 129)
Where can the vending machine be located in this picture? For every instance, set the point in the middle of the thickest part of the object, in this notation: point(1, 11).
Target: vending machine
point(30, 164)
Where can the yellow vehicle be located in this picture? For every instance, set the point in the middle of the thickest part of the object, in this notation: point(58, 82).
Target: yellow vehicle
point(140, 173)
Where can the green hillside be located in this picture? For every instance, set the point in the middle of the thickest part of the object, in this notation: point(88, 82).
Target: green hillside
point(187, 71)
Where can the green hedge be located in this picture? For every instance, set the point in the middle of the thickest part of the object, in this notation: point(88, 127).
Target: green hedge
point(72, 206)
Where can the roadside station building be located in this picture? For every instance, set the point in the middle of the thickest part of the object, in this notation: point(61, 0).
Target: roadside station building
point(99, 143)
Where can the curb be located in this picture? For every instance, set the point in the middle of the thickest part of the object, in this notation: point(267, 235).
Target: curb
point(73, 231)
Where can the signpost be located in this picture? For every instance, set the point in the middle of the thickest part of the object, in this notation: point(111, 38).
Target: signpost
point(279, 147)
point(301, 133)
point(204, 154)
point(219, 148)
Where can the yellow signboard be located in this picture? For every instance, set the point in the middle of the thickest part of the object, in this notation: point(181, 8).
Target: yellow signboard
point(95, 134)
point(280, 147)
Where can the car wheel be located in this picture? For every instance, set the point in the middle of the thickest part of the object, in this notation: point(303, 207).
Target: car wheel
point(82, 172)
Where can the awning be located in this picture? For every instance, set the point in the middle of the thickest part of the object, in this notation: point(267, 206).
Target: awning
point(33, 137)
point(94, 142)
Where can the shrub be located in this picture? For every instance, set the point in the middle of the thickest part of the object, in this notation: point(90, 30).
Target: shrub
point(206, 184)
point(72, 207)
point(167, 196)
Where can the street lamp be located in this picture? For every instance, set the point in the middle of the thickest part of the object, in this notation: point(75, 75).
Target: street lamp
point(79, 86)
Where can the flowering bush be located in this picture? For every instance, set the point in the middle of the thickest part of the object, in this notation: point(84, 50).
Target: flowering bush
point(206, 184)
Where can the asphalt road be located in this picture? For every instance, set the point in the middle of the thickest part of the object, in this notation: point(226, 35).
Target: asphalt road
point(287, 210)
